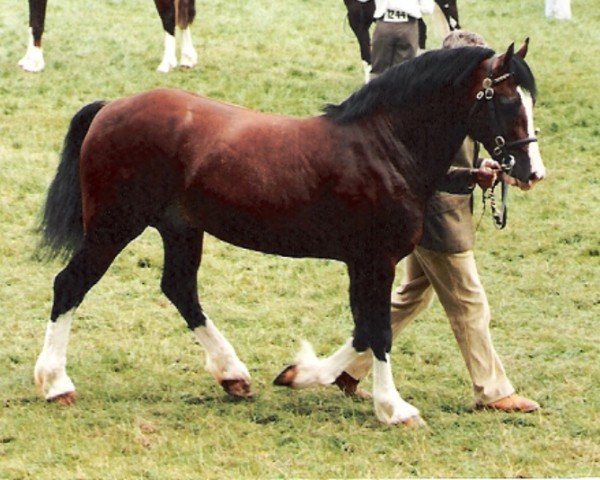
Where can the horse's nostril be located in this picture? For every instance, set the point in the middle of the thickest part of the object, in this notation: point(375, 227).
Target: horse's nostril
point(536, 177)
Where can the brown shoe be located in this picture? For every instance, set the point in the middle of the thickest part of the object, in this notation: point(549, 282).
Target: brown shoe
point(513, 403)
point(349, 385)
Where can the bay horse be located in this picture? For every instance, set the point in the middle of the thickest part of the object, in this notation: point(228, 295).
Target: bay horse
point(172, 13)
point(350, 184)
point(360, 18)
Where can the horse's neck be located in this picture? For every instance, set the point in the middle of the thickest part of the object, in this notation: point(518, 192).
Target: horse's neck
point(432, 134)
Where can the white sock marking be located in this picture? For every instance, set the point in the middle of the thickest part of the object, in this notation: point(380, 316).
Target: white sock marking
point(50, 369)
point(367, 71)
point(33, 61)
point(312, 371)
point(389, 406)
point(189, 57)
point(221, 360)
point(169, 60)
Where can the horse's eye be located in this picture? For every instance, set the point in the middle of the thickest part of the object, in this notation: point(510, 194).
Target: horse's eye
point(509, 105)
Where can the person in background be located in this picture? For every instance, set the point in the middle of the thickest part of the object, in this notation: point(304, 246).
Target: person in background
point(444, 263)
point(559, 9)
point(396, 34)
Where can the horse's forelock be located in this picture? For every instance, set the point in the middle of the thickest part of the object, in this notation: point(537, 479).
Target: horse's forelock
point(522, 75)
point(411, 81)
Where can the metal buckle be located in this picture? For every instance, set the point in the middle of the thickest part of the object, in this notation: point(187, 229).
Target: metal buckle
point(507, 167)
point(500, 144)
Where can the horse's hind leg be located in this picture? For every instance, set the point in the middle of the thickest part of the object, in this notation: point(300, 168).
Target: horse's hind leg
point(33, 61)
point(183, 250)
point(186, 13)
point(189, 57)
point(70, 286)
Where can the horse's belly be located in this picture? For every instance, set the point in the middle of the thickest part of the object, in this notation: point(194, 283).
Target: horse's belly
point(293, 234)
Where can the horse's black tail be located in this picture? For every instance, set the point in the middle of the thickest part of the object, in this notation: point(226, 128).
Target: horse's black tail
point(185, 12)
point(61, 225)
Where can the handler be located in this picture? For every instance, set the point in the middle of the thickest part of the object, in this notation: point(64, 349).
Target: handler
point(396, 35)
point(444, 262)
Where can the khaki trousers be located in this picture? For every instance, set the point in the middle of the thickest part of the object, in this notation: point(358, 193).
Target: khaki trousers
point(454, 278)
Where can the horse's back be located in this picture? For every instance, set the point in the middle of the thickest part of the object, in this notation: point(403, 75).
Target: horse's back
point(211, 144)
point(166, 146)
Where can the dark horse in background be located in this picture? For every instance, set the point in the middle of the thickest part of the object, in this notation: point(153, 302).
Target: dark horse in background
point(349, 185)
point(360, 18)
point(172, 13)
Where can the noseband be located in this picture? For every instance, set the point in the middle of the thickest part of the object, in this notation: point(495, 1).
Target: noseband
point(501, 152)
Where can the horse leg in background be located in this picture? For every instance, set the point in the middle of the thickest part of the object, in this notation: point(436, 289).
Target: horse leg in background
point(70, 286)
point(180, 13)
point(450, 10)
point(33, 61)
point(166, 10)
point(183, 252)
point(360, 17)
point(186, 12)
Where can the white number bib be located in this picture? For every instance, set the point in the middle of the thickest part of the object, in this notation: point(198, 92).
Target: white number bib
point(395, 16)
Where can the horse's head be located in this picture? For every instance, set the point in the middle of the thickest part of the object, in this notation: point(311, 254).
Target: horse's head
point(502, 116)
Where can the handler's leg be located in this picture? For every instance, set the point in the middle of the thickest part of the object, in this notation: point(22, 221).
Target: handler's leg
point(382, 48)
point(456, 282)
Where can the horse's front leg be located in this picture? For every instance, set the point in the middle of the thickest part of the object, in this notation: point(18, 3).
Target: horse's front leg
point(370, 286)
point(166, 10)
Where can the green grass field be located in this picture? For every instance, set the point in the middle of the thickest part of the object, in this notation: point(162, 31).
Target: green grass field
point(147, 409)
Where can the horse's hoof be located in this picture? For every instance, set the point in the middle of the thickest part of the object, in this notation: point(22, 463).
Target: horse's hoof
point(349, 385)
point(188, 63)
point(286, 377)
point(67, 398)
point(414, 422)
point(237, 388)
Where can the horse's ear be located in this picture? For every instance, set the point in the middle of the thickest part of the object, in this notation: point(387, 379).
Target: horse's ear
point(523, 50)
point(507, 57)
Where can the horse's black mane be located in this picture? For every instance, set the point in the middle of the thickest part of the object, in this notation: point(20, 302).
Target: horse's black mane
point(420, 77)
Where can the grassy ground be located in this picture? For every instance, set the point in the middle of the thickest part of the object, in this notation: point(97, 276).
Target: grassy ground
point(147, 409)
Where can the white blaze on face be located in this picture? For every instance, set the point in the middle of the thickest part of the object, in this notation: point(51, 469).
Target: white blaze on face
point(538, 171)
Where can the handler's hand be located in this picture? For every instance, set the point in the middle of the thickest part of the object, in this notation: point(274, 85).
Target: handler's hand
point(489, 163)
point(486, 174)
